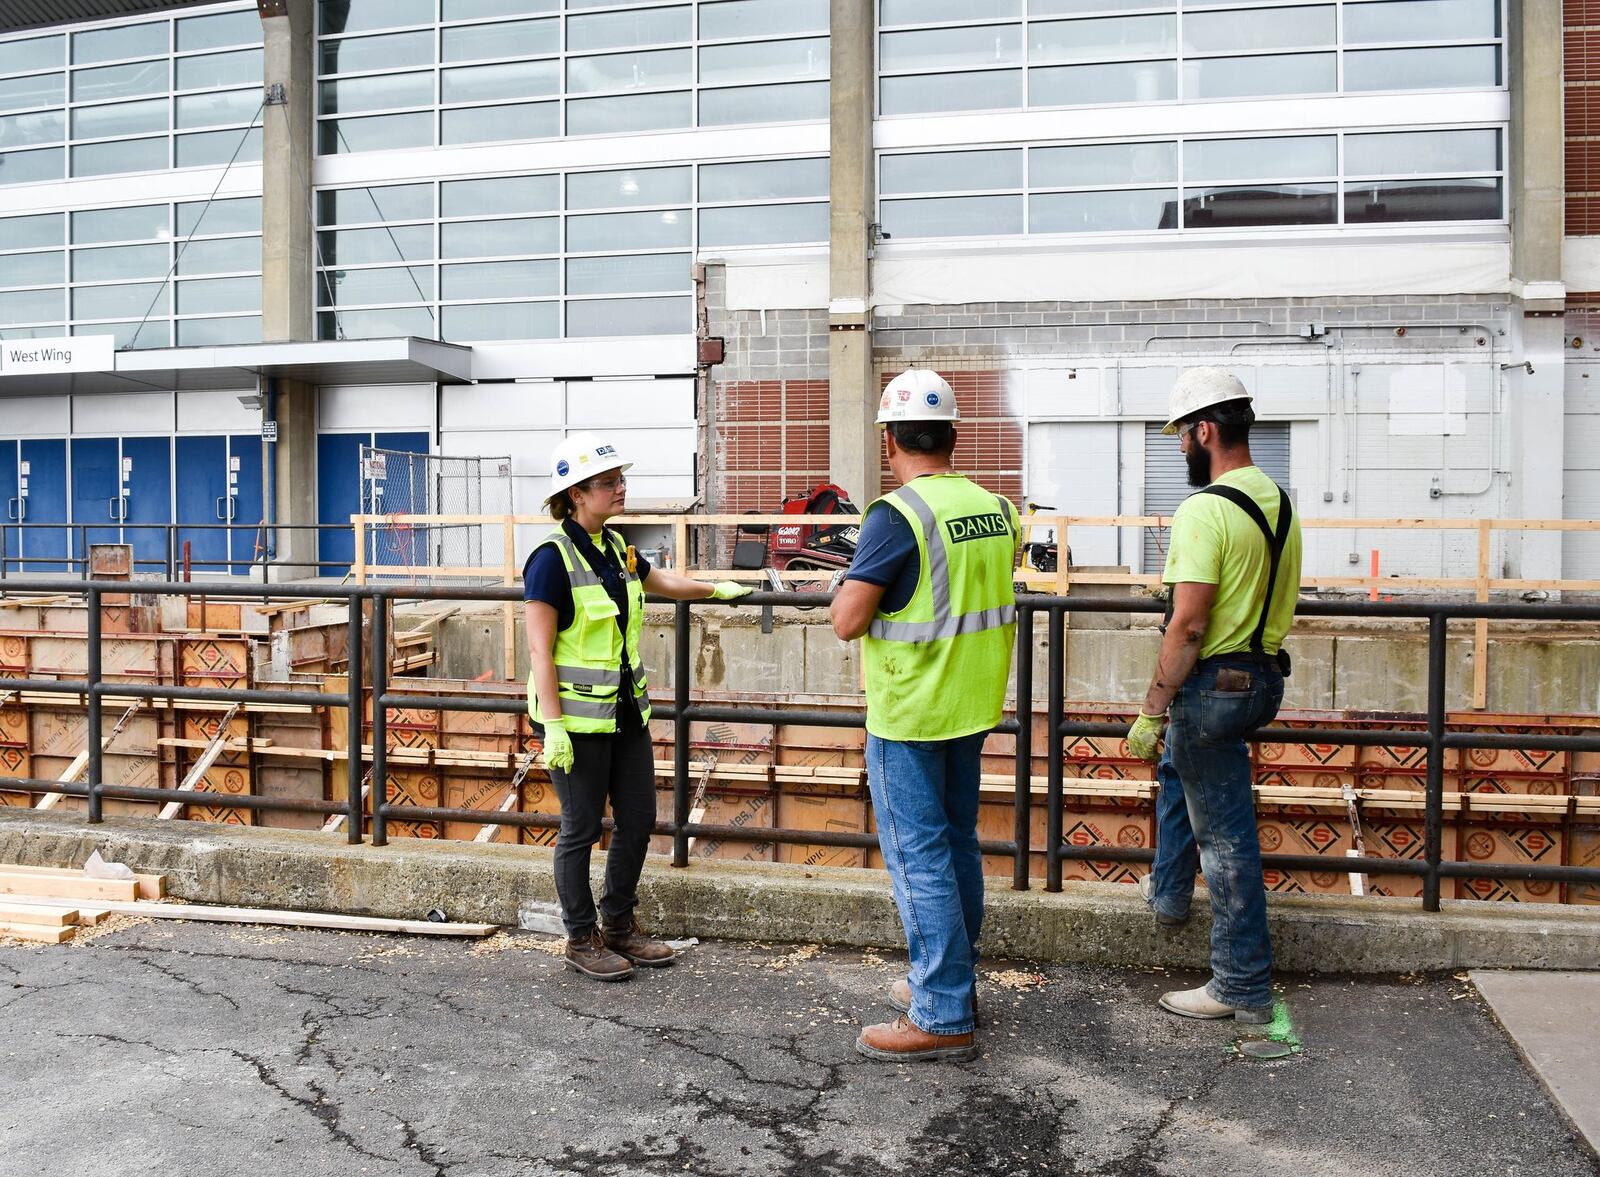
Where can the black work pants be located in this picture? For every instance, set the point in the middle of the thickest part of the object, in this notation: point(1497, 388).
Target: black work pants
point(621, 768)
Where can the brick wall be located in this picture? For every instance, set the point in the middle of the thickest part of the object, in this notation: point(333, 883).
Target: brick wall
point(1581, 86)
point(769, 440)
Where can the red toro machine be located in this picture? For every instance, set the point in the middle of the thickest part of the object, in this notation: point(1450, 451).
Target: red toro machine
point(797, 547)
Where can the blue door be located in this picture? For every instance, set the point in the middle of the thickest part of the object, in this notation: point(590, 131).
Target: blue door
point(97, 500)
point(42, 489)
point(147, 491)
point(203, 498)
point(338, 494)
point(10, 563)
point(246, 542)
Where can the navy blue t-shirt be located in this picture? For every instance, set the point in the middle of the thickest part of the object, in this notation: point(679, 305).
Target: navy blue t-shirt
point(886, 555)
point(544, 578)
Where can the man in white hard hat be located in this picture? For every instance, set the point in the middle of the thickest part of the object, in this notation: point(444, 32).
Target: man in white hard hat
point(1233, 572)
point(584, 588)
point(930, 593)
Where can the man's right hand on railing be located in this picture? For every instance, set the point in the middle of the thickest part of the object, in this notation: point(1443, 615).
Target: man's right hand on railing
point(557, 745)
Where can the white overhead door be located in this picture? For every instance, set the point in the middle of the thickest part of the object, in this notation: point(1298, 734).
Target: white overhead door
point(1166, 476)
point(1072, 470)
point(1580, 551)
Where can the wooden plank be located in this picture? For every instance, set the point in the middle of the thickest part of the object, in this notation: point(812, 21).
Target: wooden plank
point(1480, 629)
point(149, 886)
point(49, 800)
point(18, 883)
point(37, 933)
point(487, 833)
point(49, 917)
point(276, 917)
point(197, 772)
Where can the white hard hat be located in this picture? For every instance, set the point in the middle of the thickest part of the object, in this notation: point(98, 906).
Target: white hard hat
point(580, 457)
point(1200, 388)
point(918, 394)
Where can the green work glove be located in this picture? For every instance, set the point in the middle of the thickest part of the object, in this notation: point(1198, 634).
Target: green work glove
point(557, 745)
point(1144, 737)
point(729, 590)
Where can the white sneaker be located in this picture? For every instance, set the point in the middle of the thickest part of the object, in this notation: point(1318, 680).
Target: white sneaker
point(1198, 1003)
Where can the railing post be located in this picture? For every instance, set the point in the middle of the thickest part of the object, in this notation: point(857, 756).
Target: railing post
point(353, 725)
point(1433, 828)
point(1023, 805)
point(380, 719)
point(1056, 689)
point(91, 676)
point(680, 734)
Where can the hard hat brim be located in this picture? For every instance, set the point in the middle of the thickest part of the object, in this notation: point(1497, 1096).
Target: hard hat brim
point(576, 477)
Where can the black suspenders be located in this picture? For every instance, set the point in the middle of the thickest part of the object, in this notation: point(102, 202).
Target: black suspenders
point(1275, 543)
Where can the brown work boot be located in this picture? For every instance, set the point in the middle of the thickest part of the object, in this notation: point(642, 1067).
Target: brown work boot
point(633, 943)
point(590, 956)
point(900, 999)
point(900, 1041)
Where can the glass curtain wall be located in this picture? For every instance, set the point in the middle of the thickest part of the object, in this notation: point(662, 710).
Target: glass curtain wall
point(938, 56)
point(1202, 183)
point(141, 96)
point(151, 275)
point(398, 74)
point(550, 255)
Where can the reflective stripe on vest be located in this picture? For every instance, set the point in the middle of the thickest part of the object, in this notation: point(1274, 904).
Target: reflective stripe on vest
point(589, 677)
point(579, 574)
point(945, 624)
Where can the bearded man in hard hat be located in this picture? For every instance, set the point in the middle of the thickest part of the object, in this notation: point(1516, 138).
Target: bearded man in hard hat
point(930, 591)
point(584, 589)
point(1233, 571)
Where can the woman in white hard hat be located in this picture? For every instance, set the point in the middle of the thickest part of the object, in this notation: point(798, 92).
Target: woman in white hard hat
point(584, 588)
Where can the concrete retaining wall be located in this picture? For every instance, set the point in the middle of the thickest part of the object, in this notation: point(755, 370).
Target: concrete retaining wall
point(1095, 923)
point(1366, 670)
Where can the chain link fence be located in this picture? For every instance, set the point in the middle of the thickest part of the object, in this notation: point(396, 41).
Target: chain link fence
point(395, 483)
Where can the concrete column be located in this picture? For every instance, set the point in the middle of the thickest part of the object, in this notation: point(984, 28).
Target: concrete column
point(1535, 400)
point(295, 498)
point(852, 392)
point(288, 303)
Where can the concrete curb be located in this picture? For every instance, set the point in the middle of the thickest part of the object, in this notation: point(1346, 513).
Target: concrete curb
point(1091, 923)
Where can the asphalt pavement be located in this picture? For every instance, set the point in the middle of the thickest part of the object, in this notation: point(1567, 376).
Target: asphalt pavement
point(174, 1049)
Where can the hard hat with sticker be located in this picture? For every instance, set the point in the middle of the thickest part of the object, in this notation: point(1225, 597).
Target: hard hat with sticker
point(918, 394)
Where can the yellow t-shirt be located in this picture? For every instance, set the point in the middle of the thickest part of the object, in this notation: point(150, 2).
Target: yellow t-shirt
point(1214, 542)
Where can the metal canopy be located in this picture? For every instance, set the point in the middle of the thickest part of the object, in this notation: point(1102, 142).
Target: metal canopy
point(25, 14)
point(235, 368)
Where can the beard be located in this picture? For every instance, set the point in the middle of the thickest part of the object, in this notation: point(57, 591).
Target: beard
point(1198, 459)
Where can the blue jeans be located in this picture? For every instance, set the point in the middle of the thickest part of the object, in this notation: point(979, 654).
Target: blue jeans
point(925, 798)
point(1206, 820)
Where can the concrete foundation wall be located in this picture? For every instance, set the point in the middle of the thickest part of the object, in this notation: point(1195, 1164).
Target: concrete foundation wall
point(1356, 671)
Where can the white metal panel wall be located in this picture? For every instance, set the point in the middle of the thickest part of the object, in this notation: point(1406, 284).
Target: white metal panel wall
point(1580, 552)
point(1166, 475)
point(379, 407)
point(35, 416)
point(122, 413)
point(1072, 470)
point(215, 412)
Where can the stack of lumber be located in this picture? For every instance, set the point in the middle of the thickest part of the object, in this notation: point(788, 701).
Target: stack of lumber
point(50, 904)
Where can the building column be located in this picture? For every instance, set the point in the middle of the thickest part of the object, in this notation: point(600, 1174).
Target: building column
point(853, 461)
point(288, 303)
point(1535, 400)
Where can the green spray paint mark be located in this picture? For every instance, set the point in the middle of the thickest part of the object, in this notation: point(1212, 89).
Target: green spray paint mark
point(1281, 1028)
point(1279, 1031)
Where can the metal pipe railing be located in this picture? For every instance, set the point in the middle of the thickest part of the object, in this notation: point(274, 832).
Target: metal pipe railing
point(1429, 731)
